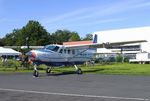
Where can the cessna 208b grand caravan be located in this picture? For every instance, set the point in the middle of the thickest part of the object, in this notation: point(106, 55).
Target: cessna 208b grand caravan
point(60, 55)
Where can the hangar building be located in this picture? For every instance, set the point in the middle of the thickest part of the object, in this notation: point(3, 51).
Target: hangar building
point(127, 34)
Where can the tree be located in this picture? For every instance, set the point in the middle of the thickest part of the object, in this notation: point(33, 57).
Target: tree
point(10, 38)
point(119, 58)
point(61, 36)
point(1, 42)
point(32, 33)
point(88, 37)
point(74, 37)
point(35, 33)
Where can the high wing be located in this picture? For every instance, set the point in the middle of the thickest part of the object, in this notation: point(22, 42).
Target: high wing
point(103, 45)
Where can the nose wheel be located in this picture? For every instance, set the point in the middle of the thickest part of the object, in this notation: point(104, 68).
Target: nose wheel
point(35, 73)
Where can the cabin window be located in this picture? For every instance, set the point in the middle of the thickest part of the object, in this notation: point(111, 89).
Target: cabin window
point(69, 51)
point(61, 51)
point(65, 51)
point(73, 51)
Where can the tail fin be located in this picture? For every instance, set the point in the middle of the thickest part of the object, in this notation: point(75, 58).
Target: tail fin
point(95, 38)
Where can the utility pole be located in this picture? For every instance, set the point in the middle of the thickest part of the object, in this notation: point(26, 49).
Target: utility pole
point(27, 42)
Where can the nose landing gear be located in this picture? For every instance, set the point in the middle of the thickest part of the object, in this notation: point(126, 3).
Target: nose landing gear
point(35, 72)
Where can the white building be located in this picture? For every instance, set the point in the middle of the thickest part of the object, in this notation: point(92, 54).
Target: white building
point(141, 58)
point(127, 34)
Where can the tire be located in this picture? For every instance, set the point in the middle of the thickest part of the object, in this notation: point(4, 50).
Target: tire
point(35, 73)
point(79, 71)
point(48, 70)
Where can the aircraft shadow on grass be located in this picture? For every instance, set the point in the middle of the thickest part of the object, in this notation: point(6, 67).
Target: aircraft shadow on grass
point(73, 72)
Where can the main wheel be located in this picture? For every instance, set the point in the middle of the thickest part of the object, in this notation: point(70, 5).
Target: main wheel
point(35, 73)
point(48, 70)
point(79, 71)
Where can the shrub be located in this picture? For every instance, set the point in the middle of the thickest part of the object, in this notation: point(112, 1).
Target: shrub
point(119, 58)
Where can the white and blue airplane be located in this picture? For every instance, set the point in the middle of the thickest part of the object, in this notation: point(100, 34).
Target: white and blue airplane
point(61, 55)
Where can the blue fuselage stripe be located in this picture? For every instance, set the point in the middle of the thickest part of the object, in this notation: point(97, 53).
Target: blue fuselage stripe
point(58, 63)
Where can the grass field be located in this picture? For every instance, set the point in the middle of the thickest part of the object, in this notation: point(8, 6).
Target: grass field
point(114, 68)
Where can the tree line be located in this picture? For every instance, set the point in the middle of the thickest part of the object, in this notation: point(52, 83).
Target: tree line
point(33, 33)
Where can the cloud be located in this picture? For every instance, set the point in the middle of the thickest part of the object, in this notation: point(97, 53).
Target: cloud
point(66, 15)
point(99, 22)
point(84, 24)
point(146, 4)
point(95, 15)
point(89, 13)
point(112, 9)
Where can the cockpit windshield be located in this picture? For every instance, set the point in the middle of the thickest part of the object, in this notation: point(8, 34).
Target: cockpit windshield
point(52, 48)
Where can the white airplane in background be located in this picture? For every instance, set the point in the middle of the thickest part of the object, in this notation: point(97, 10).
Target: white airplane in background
point(60, 55)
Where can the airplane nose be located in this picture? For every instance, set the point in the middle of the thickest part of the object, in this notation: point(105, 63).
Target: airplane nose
point(33, 55)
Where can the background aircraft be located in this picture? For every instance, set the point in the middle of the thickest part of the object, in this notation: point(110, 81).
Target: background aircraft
point(61, 55)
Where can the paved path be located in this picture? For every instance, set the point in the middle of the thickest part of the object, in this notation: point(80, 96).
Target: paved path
point(86, 87)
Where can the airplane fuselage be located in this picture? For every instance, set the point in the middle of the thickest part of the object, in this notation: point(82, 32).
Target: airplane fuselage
point(60, 56)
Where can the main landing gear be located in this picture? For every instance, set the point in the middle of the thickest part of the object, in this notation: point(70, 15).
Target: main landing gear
point(78, 70)
point(36, 73)
point(48, 70)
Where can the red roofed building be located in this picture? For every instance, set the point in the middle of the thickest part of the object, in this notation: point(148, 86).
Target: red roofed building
point(78, 42)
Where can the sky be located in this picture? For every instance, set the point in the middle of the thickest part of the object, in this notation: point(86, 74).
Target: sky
point(82, 16)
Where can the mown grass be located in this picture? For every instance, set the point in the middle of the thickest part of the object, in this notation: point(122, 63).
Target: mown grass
point(113, 68)
point(133, 69)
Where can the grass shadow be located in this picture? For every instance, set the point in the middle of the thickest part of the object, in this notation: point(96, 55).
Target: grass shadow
point(91, 71)
point(74, 72)
point(62, 73)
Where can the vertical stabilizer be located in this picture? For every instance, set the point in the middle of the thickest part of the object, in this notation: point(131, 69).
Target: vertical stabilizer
point(95, 38)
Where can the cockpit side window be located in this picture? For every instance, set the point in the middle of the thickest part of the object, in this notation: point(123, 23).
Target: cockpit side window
point(52, 48)
point(56, 49)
